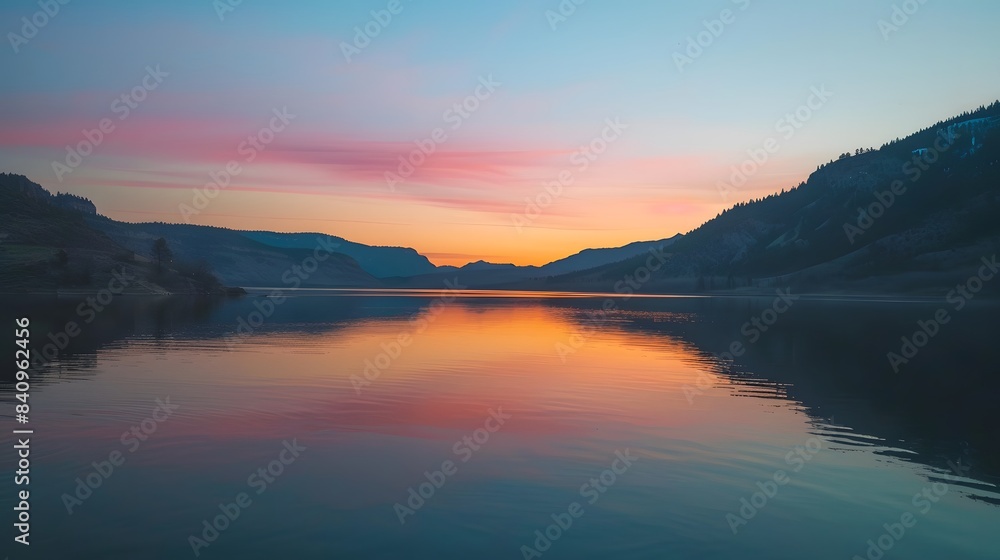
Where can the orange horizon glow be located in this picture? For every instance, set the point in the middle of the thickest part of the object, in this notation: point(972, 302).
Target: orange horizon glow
point(445, 235)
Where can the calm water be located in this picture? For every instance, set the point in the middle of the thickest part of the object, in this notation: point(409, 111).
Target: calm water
point(625, 426)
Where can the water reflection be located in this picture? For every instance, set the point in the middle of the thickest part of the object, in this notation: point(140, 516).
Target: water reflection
point(819, 372)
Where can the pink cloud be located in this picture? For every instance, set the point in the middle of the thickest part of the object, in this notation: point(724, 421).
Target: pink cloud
point(152, 151)
point(370, 161)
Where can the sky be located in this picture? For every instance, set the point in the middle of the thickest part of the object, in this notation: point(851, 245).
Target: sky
point(532, 129)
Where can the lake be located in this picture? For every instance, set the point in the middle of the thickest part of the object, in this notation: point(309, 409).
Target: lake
point(326, 424)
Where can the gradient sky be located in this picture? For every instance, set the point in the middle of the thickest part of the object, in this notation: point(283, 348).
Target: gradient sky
point(609, 60)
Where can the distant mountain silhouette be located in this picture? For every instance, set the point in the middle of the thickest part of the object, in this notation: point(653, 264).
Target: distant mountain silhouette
point(482, 274)
point(590, 258)
point(239, 260)
point(380, 262)
point(483, 265)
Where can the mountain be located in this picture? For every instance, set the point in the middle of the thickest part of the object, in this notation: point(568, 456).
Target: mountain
point(32, 216)
point(913, 216)
point(486, 275)
point(262, 258)
point(590, 258)
point(480, 266)
point(380, 262)
point(239, 260)
point(46, 245)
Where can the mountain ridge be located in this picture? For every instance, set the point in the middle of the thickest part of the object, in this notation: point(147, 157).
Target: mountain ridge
point(903, 218)
point(900, 218)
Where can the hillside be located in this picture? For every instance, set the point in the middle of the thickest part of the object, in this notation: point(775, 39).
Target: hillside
point(238, 260)
point(380, 262)
point(590, 258)
point(485, 275)
point(845, 229)
point(46, 245)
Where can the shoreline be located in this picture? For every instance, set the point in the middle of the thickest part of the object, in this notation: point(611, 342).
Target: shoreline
point(508, 294)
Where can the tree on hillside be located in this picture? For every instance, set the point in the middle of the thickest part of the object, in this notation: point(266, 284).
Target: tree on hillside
point(161, 253)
